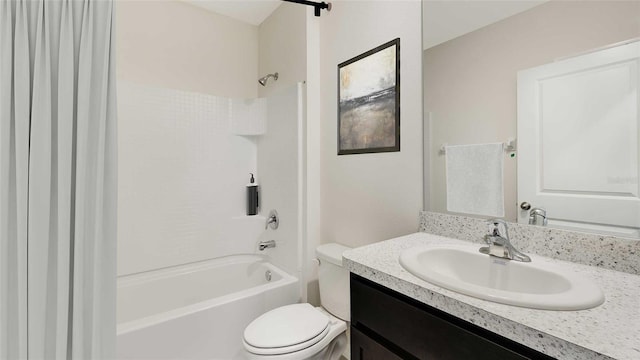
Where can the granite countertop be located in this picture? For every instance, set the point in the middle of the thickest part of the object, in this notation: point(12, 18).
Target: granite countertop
point(609, 331)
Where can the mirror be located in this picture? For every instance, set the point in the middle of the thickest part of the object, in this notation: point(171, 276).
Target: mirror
point(475, 52)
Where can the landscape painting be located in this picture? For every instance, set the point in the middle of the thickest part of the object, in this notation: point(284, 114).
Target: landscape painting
point(369, 101)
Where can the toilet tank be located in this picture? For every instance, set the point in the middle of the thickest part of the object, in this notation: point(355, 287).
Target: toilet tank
point(333, 279)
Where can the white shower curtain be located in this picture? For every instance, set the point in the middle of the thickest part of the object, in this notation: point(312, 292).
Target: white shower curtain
point(57, 179)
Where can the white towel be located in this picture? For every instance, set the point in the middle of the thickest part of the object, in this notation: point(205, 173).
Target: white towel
point(474, 179)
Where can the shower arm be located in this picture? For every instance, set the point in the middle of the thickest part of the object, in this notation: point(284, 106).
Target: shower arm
point(317, 6)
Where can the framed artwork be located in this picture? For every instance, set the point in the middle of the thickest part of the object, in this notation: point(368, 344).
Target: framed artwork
point(369, 101)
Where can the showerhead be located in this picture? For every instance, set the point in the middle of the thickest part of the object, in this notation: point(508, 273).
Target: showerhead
point(263, 80)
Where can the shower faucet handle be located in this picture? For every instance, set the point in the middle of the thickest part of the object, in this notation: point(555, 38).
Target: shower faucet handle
point(273, 221)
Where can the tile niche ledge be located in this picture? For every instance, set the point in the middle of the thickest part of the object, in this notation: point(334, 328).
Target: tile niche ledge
point(605, 251)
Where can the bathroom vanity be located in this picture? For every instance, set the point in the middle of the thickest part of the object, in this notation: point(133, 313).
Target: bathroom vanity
point(396, 315)
point(388, 325)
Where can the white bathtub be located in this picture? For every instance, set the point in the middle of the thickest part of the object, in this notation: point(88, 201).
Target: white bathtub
point(197, 311)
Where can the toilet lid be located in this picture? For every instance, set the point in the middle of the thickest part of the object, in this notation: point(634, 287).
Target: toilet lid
point(287, 326)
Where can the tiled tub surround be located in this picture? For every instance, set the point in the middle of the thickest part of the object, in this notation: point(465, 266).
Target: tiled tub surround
point(610, 331)
point(609, 252)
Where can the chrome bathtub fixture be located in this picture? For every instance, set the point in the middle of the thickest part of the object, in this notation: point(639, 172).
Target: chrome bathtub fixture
point(266, 244)
point(263, 80)
point(499, 243)
point(273, 221)
point(535, 213)
point(267, 275)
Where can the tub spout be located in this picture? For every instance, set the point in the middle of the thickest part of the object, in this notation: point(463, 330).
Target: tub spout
point(266, 244)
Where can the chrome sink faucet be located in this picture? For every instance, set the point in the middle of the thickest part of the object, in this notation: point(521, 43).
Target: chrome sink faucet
point(535, 213)
point(499, 243)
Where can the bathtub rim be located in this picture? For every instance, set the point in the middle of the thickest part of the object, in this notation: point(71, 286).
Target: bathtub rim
point(143, 276)
point(138, 278)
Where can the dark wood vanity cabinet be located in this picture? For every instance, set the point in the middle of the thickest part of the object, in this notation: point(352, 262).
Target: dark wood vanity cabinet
point(388, 325)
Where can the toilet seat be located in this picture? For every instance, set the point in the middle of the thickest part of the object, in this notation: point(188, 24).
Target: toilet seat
point(286, 329)
point(287, 349)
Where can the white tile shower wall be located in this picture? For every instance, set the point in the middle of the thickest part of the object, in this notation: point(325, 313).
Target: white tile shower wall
point(182, 177)
point(248, 116)
point(278, 165)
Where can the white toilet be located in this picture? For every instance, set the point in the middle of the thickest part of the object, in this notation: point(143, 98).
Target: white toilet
point(301, 331)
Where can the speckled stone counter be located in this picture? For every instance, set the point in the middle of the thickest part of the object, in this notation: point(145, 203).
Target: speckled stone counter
point(609, 331)
point(606, 251)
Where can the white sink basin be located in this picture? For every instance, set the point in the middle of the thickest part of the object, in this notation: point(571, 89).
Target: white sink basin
point(465, 270)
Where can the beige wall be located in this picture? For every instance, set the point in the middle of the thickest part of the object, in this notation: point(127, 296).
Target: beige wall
point(175, 45)
point(470, 82)
point(282, 48)
point(370, 197)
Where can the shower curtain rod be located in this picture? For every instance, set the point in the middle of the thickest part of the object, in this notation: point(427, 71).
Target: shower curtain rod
point(317, 6)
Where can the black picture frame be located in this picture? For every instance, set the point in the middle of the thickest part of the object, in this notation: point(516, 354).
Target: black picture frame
point(369, 114)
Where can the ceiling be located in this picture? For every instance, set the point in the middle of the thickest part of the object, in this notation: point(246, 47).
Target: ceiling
point(250, 11)
point(443, 19)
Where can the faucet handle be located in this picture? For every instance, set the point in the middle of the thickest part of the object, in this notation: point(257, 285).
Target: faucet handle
point(273, 220)
point(494, 228)
point(499, 243)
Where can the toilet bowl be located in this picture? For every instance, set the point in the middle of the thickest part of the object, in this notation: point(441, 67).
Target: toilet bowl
point(296, 332)
point(301, 331)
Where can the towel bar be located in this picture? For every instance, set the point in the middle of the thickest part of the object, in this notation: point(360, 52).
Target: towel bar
point(509, 146)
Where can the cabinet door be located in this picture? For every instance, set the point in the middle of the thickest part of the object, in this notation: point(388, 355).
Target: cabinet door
point(418, 331)
point(365, 348)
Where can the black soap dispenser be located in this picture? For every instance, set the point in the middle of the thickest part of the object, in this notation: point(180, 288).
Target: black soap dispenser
point(252, 196)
